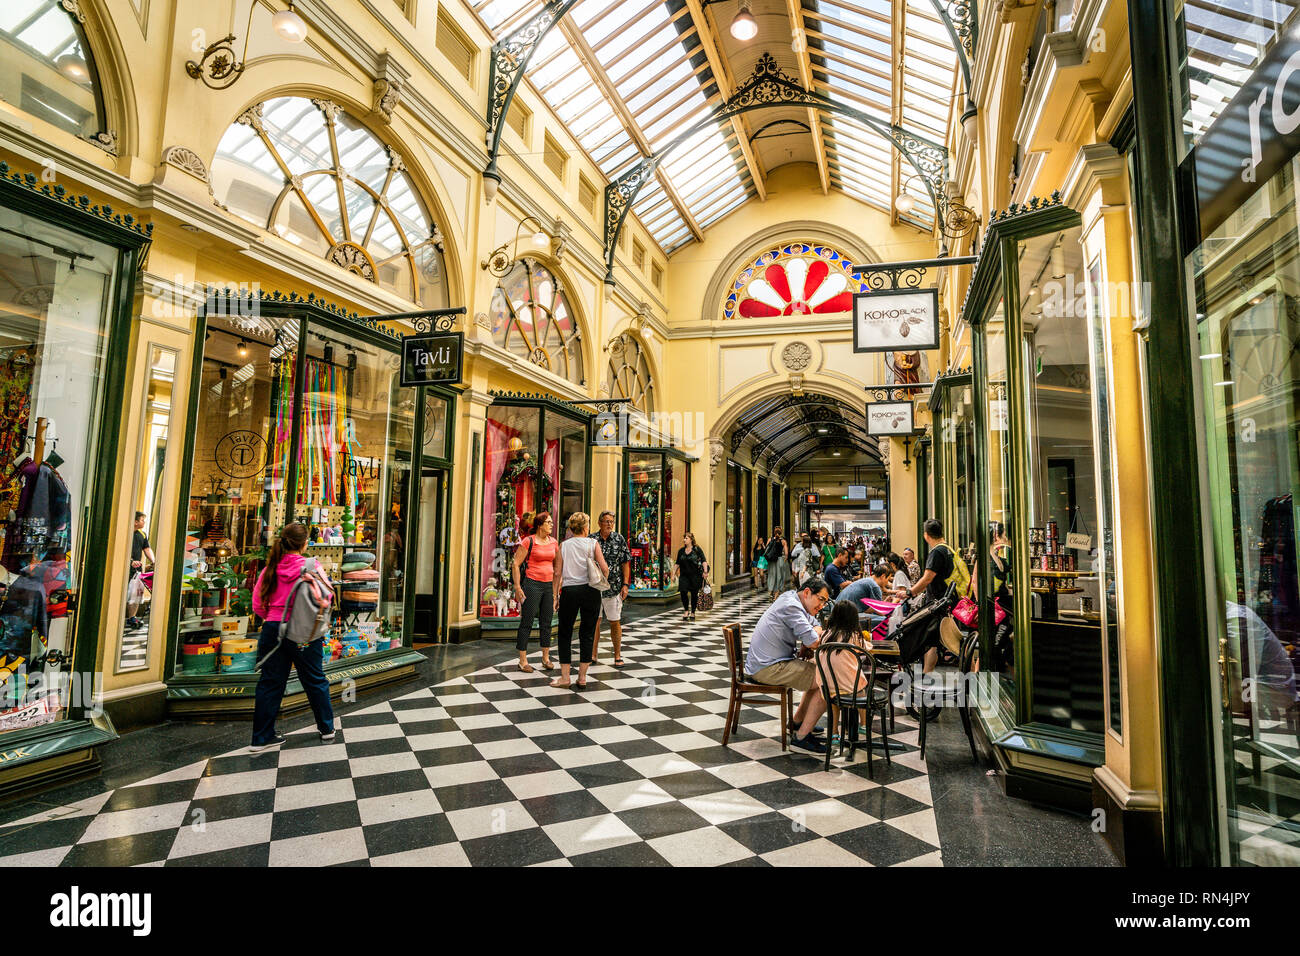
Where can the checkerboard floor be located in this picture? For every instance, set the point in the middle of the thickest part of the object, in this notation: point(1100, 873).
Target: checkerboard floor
point(497, 768)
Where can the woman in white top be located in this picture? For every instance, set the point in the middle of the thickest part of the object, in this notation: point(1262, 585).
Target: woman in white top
point(901, 581)
point(578, 597)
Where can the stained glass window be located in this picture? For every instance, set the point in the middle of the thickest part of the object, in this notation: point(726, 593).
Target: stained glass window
point(629, 373)
point(796, 278)
point(314, 176)
point(531, 317)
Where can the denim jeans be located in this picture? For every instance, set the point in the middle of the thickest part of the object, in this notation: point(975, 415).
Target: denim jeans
point(575, 599)
point(307, 659)
point(539, 602)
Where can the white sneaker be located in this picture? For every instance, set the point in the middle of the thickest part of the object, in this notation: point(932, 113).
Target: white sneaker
point(329, 736)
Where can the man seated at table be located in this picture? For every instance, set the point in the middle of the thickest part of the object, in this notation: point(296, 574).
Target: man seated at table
point(872, 587)
point(789, 623)
point(835, 575)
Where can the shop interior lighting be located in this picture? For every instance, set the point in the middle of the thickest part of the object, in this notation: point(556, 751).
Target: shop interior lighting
point(1211, 355)
point(242, 349)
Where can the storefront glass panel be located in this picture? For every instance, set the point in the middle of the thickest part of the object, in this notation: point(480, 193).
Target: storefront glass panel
point(238, 480)
point(54, 306)
point(1065, 633)
point(958, 449)
point(1250, 409)
point(645, 520)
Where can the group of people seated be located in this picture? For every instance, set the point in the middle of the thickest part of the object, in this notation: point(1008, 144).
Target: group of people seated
point(789, 632)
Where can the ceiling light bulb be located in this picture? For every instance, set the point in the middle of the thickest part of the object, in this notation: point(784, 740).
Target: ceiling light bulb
point(291, 27)
point(73, 67)
point(743, 25)
point(541, 240)
point(970, 126)
point(490, 184)
point(904, 203)
point(243, 349)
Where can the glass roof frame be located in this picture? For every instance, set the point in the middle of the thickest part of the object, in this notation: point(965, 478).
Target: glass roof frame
point(629, 78)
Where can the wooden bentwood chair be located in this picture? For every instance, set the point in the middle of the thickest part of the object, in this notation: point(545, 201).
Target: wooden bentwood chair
point(742, 684)
point(849, 701)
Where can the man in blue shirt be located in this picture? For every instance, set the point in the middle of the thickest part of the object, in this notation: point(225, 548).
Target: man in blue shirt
point(789, 623)
point(834, 573)
point(871, 587)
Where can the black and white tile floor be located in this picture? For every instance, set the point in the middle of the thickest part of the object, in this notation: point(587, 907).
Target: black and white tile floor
point(497, 768)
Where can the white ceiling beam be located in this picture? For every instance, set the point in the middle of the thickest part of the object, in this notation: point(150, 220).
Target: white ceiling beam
point(795, 9)
point(705, 28)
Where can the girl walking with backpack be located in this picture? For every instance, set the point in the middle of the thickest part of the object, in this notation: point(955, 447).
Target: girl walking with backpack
point(275, 585)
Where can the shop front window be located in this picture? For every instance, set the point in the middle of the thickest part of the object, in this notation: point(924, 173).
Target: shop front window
point(645, 526)
point(354, 473)
point(731, 511)
point(238, 482)
point(1063, 508)
point(534, 463)
point(958, 451)
point(1248, 319)
point(141, 626)
point(55, 298)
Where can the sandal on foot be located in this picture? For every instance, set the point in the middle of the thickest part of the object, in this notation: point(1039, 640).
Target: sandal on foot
point(618, 662)
point(526, 668)
point(580, 685)
point(556, 683)
point(547, 665)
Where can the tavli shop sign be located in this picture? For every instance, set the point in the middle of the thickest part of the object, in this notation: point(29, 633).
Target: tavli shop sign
point(435, 355)
point(896, 319)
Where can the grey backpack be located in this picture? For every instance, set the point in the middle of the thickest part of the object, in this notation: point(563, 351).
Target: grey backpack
point(307, 611)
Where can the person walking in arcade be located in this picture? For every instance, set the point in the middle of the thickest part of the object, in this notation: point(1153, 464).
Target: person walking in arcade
point(536, 574)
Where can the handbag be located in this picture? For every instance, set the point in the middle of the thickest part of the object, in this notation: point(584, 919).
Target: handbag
point(705, 600)
point(761, 563)
point(594, 577)
point(968, 613)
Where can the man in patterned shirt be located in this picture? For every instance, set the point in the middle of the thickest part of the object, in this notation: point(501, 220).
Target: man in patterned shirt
point(614, 546)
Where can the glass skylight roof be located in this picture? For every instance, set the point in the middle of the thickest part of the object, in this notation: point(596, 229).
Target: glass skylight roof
point(1226, 39)
point(629, 77)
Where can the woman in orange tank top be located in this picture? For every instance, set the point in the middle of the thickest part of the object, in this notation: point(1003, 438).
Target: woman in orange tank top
point(536, 570)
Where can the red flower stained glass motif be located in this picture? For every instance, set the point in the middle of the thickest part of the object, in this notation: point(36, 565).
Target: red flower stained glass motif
point(797, 286)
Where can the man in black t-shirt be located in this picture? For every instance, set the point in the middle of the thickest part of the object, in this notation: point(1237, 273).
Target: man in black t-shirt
point(140, 550)
point(939, 566)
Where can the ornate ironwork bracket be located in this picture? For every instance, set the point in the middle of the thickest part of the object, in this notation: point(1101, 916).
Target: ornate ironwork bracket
point(896, 393)
point(961, 17)
point(879, 276)
point(510, 58)
point(426, 321)
point(769, 86)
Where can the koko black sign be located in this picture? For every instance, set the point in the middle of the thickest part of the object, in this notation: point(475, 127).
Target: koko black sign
point(433, 359)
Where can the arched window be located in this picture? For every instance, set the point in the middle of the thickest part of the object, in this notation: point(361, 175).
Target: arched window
point(795, 278)
point(531, 318)
point(51, 73)
point(313, 175)
point(629, 373)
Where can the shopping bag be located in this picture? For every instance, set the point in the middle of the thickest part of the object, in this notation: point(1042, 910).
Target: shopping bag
point(136, 591)
point(761, 563)
point(705, 601)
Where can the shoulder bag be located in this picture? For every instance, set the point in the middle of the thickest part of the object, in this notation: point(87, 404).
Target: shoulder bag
point(594, 576)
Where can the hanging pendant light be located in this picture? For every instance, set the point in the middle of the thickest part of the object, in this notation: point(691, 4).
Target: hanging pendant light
point(289, 25)
point(904, 203)
point(743, 25)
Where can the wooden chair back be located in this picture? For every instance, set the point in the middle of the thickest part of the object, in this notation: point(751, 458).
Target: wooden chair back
point(735, 654)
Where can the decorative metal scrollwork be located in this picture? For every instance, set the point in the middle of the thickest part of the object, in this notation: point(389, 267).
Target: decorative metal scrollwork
point(427, 324)
point(961, 17)
point(509, 62)
point(218, 67)
point(887, 277)
point(959, 221)
point(769, 86)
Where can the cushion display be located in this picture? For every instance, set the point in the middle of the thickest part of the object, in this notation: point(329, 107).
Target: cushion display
point(365, 574)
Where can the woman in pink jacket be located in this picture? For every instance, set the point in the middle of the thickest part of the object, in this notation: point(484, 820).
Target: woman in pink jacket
point(283, 568)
